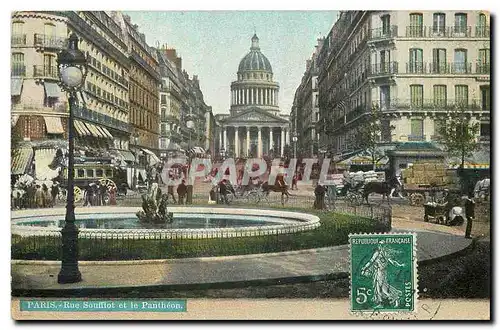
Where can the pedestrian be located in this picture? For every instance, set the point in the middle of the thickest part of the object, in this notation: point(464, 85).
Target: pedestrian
point(319, 192)
point(223, 191)
point(181, 191)
point(54, 191)
point(112, 195)
point(47, 198)
point(170, 188)
point(39, 196)
point(103, 191)
point(294, 181)
point(469, 214)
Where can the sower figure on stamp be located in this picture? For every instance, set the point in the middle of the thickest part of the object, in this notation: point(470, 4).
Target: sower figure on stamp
point(376, 268)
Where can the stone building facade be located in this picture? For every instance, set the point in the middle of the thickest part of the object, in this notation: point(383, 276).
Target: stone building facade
point(414, 66)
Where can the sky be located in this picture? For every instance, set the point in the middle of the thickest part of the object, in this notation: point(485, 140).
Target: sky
point(212, 43)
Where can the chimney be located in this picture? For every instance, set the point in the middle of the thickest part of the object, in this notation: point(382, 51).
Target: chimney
point(178, 63)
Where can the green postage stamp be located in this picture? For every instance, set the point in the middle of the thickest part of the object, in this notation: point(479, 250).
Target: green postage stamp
point(383, 272)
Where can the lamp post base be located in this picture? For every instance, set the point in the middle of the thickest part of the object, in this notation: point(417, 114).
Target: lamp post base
point(69, 276)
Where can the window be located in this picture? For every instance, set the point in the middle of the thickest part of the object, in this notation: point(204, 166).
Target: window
point(484, 129)
point(485, 98)
point(385, 97)
point(385, 59)
point(18, 67)
point(438, 126)
point(417, 130)
point(438, 24)
point(483, 61)
point(49, 66)
point(386, 25)
point(49, 30)
point(99, 173)
point(90, 173)
point(416, 64)
point(163, 99)
point(439, 60)
point(481, 28)
point(460, 24)
point(439, 95)
point(461, 95)
point(80, 173)
point(385, 130)
point(416, 28)
point(460, 61)
point(417, 96)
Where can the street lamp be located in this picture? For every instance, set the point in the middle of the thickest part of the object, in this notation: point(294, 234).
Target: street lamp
point(72, 69)
point(190, 126)
point(294, 139)
point(135, 136)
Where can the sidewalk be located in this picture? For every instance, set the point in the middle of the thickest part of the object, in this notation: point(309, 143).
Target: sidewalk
point(272, 268)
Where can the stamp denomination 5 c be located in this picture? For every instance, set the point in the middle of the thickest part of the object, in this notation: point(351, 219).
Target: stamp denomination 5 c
point(383, 272)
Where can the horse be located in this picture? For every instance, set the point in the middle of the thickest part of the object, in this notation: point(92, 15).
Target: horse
point(279, 188)
point(382, 188)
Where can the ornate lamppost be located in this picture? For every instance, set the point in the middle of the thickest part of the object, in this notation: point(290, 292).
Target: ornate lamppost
point(294, 139)
point(190, 126)
point(72, 69)
point(135, 136)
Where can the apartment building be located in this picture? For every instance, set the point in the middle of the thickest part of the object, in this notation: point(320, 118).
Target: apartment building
point(305, 109)
point(145, 81)
point(415, 66)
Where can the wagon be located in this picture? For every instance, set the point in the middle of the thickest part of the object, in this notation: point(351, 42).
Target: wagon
point(436, 212)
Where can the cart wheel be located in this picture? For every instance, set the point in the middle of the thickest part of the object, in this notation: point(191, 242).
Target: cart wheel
point(62, 195)
point(108, 183)
point(417, 199)
point(426, 218)
point(78, 194)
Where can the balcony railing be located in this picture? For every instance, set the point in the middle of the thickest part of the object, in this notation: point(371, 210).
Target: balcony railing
point(384, 33)
point(442, 68)
point(39, 107)
point(429, 105)
point(18, 70)
point(18, 40)
point(482, 31)
point(46, 41)
point(84, 113)
point(420, 31)
point(386, 68)
point(42, 71)
point(416, 137)
point(483, 68)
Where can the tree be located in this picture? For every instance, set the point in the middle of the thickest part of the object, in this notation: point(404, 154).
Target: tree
point(367, 136)
point(458, 134)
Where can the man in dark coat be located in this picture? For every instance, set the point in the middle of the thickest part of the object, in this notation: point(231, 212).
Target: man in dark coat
point(181, 191)
point(319, 192)
point(469, 214)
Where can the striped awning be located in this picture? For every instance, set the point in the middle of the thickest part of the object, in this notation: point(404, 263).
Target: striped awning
point(127, 155)
point(52, 89)
point(16, 85)
point(196, 150)
point(105, 132)
point(54, 125)
point(93, 130)
point(470, 166)
point(153, 158)
point(21, 160)
point(43, 158)
point(80, 130)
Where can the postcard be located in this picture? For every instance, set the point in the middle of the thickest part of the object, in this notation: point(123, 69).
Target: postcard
point(250, 165)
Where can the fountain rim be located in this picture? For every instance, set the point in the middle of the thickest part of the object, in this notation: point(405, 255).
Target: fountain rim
point(304, 222)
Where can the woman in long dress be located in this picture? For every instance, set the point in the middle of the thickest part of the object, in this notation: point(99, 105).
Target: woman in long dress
point(376, 268)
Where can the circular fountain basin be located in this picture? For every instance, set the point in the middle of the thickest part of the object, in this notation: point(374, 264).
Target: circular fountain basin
point(189, 222)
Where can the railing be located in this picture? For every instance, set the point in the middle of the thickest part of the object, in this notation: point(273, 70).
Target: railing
point(416, 137)
point(442, 68)
point(483, 68)
point(39, 107)
point(428, 105)
point(381, 33)
point(42, 40)
point(356, 112)
point(482, 31)
point(380, 69)
point(100, 118)
point(42, 71)
point(18, 40)
point(151, 70)
point(420, 31)
point(18, 70)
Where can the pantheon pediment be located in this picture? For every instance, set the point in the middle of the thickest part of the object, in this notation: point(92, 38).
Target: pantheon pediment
point(255, 115)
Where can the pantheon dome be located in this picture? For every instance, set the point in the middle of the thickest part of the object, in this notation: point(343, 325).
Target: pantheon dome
point(254, 126)
point(254, 85)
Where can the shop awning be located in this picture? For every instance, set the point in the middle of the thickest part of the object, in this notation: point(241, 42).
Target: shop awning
point(43, 158)
point(479, 160)
point(93, 130)
point(52, 89)
point(54, 125)
point(13, 120)
point(153, 158)
point(105, 131)
point(16, 85)
point(79, 129)
point(21, 160)
point(127, 155)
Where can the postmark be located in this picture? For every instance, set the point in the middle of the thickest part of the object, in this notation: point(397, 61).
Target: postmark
point(383, 272)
